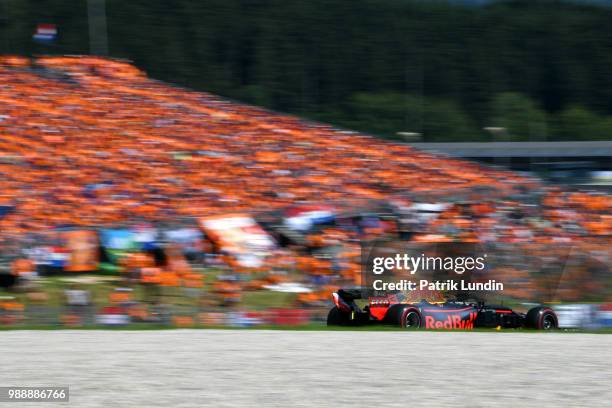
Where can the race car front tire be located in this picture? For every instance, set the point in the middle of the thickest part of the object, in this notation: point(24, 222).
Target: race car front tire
point(541, 318)
point(337, 317)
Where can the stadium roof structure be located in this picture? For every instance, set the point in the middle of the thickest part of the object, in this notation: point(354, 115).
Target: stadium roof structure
point(520, 149)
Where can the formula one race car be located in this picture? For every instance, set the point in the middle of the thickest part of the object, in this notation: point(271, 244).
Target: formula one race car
point(450, 315)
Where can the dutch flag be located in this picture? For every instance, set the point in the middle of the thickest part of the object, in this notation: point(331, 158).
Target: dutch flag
point(45, 33)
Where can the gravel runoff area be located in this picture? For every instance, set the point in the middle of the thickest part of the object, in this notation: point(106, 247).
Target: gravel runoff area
point(252, 368)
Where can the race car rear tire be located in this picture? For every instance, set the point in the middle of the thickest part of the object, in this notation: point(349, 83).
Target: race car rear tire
point(407, 317)
point(542, 318)
point(411, 320)
point(337, 317)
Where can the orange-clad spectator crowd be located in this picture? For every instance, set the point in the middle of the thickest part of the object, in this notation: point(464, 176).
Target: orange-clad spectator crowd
point(93, 142)
point(90, 141)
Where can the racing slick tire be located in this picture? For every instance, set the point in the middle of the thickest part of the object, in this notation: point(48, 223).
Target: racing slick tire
point(337, 317)
point(542, 318)
point(407, 317)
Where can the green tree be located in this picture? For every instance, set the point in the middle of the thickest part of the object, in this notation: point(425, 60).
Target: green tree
point(316, 57)
point(521, 118)
point(445, 122)
point(578, 123)
point(386, 114)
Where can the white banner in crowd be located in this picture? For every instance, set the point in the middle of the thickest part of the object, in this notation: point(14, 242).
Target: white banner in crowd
point(240, 236)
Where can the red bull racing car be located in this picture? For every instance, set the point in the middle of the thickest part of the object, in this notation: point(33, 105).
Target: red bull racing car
point(392, 309)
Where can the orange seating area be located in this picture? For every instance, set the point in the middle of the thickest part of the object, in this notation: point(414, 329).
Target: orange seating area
point(591, 212)
point(92, 141)
point(87, 141)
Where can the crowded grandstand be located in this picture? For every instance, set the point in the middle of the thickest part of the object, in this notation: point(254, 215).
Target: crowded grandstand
point(125, 199)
